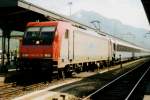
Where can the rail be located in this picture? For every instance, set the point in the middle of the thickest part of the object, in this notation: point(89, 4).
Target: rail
point(137, 84)
point(9, 90)
point(115, 80)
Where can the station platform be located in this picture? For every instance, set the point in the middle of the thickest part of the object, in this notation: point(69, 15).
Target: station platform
point(7, 77)
point(147, 92)
point(50, 94)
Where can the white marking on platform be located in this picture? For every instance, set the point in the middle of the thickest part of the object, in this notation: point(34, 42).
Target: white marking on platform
point(2, 78)
point(45, 96)
point(146, 97)
point(10, 70)
point(44, 90)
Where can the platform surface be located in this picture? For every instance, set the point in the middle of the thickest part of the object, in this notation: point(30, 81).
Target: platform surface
point(147, 92)
point(5, 76)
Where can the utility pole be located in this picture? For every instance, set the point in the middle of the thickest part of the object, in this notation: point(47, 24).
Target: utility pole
point(96, 24)
point(70, 4)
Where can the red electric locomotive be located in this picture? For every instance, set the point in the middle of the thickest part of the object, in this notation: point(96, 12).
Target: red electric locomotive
point(40, 46)
point(62, 46)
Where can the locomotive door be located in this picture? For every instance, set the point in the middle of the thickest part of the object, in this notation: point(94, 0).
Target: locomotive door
point(70, 45)
point(110, 49)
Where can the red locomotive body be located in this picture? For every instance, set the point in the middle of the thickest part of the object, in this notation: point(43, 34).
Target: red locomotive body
point(41, 44)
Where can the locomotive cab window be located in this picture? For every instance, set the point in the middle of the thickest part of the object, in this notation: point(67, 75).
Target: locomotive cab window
point(31, 34)
point(47, 35)
point(40, 35)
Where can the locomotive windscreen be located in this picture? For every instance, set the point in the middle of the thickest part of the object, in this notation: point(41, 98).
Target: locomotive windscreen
point(39, 35)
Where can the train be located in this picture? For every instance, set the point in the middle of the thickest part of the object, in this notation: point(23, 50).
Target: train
point(60, 46)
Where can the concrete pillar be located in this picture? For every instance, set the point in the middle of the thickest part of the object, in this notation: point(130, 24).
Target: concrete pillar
point(5, 34)
point(8, 50)
point(3, 52)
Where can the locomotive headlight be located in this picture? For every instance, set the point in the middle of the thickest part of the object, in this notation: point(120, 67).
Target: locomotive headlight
point(24, 55)
point(47, 55)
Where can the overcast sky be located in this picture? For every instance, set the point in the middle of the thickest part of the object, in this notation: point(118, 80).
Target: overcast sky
point(129, 12)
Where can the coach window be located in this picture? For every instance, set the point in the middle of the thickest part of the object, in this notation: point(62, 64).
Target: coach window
point(67, 34)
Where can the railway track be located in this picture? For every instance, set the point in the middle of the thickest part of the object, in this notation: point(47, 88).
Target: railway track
point(20, 84)
point(124, 87)
point(11, 90)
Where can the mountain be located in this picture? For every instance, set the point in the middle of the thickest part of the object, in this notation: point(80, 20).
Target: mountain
point(114, 27)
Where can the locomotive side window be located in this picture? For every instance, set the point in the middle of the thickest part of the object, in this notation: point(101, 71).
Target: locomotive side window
point(67, 34)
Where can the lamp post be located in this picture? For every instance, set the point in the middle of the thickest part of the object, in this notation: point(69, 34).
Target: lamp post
point(70, 4)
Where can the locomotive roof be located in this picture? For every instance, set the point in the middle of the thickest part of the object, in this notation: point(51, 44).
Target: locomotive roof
point(47, 23)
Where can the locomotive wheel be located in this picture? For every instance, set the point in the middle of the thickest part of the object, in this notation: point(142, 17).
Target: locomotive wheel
point(49, 72)
point(68, 70)
point(61, 73)
point(85, 67)
point(78, 68)
point(49, 75)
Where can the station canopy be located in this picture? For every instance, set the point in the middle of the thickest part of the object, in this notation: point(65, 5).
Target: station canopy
point(146, 4)
point(14, 14)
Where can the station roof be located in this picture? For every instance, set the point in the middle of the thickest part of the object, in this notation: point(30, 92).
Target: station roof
point(146, 4)
point(16, 13)
point(14, 17)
